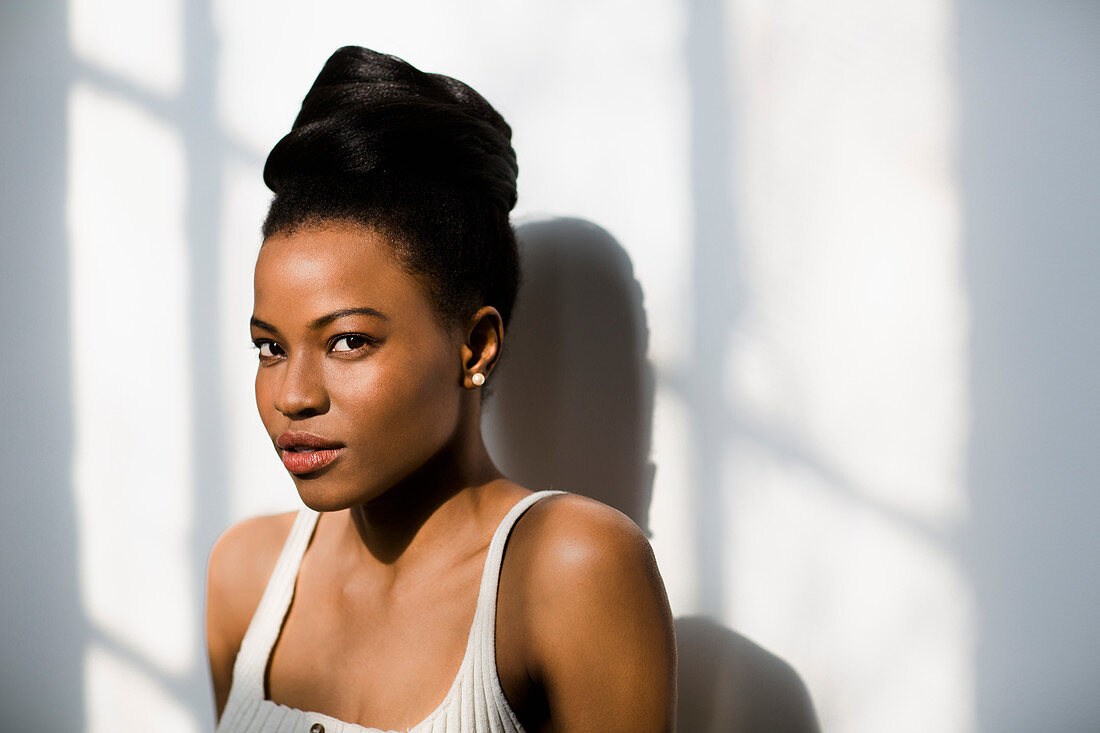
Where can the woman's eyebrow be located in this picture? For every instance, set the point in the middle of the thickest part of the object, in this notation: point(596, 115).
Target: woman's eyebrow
point(257, 323)
point(325, 319)
point(362, 311)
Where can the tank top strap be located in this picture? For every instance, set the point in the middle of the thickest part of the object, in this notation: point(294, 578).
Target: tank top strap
point(251, 663)
point(483, 636)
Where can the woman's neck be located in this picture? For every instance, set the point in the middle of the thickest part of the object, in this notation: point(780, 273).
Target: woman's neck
point(430, 506)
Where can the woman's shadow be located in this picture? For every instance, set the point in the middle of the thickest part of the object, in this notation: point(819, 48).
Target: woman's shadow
point(572, 408)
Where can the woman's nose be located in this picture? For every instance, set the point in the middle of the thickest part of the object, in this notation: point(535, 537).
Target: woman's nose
point(302, 393)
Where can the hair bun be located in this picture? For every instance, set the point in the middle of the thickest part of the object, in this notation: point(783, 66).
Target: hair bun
point(376, 117)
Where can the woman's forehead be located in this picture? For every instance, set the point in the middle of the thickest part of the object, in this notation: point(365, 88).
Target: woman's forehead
point(334, 267)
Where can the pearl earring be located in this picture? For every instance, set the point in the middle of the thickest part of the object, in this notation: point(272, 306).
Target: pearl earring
point(478, 379)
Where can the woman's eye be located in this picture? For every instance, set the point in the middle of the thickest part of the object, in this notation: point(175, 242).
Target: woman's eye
point(268, 349)
point(350, 342)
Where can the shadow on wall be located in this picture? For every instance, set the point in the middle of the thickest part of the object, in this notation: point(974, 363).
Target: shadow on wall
point(729, 683)
point(572, 408)
point(1029, 156)
point(41, 649)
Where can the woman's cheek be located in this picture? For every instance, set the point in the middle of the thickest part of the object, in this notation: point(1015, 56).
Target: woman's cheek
point(354, 387)
point(265, 400)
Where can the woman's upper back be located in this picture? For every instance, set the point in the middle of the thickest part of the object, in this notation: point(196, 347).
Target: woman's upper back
point(581, 631)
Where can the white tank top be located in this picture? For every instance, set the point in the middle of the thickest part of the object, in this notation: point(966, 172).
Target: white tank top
point(475, 702)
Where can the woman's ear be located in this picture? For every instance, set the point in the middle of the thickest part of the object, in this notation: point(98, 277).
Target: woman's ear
point(481, 349)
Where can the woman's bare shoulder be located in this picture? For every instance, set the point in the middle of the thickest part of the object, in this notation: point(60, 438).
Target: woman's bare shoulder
point(241, 562)
point(597, 627)
point(572, 533)
point(237, 572)
point(577, 551)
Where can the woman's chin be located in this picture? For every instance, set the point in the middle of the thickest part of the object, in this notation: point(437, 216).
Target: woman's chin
point(322, 498)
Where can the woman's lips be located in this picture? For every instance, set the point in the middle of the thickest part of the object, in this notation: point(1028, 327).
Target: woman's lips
point(305, 452)
point(309, 461)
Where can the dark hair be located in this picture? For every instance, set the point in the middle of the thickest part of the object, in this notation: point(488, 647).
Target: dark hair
point(422, 158)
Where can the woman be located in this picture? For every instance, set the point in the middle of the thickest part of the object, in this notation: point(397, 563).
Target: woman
point(383, 288)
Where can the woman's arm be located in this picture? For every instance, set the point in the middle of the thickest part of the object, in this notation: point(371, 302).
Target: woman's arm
point(599, 631)
point(240, 564)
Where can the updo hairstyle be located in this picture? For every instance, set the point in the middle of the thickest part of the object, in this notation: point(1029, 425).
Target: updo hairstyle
point(421, 158)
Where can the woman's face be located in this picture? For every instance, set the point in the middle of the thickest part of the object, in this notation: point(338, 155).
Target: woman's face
point(359, 381)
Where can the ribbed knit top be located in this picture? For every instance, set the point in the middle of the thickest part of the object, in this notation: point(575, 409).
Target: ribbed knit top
point(474, 704)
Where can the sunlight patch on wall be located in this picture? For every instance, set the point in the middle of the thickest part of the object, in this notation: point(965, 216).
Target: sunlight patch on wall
point(136, 40)
point(259, 482)
point(672, 510)
point(847, 369)
point(122, 698)
point(132, 387)
point(262, 77)
point(602, 131)
point(853, 600)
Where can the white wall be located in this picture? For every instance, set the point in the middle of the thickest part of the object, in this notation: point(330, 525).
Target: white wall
point(864, 233)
